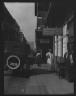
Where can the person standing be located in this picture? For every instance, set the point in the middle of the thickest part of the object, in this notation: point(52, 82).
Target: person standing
point(65, 57)
point(72, 69)
point(69, 65)
point(72, 58)
point(38, 56)
point(49, 56)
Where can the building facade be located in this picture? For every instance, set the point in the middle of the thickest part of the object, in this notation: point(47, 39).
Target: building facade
point(59, 15)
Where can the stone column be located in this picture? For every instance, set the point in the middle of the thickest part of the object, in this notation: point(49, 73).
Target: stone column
point(53, 44)
point(59, 48)
point(65, 39)
point(56, 51)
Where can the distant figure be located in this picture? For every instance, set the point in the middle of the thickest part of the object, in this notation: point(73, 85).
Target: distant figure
point(66, 57)
point(49, 56)
point(72, 58)
point(38, 56)
point(69, 63)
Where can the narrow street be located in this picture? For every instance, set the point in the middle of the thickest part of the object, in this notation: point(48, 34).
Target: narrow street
point(40, 82)
point(36, 33)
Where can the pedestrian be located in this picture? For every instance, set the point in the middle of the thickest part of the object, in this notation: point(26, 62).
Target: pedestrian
point(72, 58)
point(38, 56)
point(49, 56)
point(72, 69)
point(69, 64)
point(66, 57)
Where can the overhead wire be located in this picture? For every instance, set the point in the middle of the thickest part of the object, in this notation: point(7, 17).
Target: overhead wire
point(48, 10)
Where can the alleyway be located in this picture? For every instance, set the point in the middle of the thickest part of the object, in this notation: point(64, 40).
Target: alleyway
point(39, 82)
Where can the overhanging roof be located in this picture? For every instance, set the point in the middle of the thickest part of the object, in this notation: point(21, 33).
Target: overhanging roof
point(58, 11)
point(40, 6)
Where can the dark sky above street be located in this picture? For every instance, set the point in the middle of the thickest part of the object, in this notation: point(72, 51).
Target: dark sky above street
point(24, 14)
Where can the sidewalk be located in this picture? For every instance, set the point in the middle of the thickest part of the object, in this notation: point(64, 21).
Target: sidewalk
point(48, 83)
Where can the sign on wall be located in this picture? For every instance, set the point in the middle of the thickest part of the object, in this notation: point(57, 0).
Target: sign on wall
point(52, 31)
point(44, 40)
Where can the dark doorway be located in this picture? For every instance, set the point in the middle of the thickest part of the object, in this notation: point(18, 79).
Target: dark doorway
point(45, 46)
